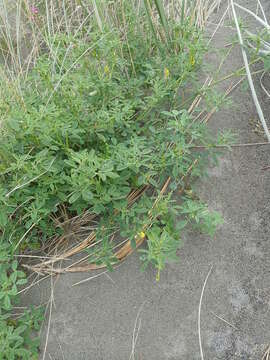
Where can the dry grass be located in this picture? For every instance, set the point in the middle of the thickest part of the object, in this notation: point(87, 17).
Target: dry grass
point(24, 32)
point(266, 355)
point(245, 58)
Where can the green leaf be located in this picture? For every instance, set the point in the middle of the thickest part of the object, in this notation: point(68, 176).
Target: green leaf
point(74, 197)
point(266, 62)
point(7, 303)
point(20, 274)
point(112, 175)
point(13, 124)
point(21, 282)
point(133, 243)
point(14, 265)
point(98, 209)
point(3, 219)
point(13, 291)
point(19, 330)
point(87, 195)
point(13, 276)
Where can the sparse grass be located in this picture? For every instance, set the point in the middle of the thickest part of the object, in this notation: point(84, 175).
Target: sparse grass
point(96, 139)
point(260, 45)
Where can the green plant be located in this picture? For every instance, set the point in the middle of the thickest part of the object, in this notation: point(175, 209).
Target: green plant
point(16, 334)
point(161, 248)
point(91, 140)
point(90, 143)
point(198, 214)
point(16, 339)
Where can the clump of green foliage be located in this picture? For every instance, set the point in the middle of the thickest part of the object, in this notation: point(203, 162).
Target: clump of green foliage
point(100, 115)
point(16, 334)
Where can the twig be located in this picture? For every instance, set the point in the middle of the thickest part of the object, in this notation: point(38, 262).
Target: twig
point(36, 256)
point(72, 66)
point(24, 235)
point(135, 335)
point(199, 312)
point(61, 349)
point(251, 84)
point(262, 10)
point(252, 14)
point(226, 322)
point(92, 277)
point(262, 86)
point(28, 182)
point(49, 321)
point(266, 354)
point(226, 146)
point(218, 25)
point(32, 284)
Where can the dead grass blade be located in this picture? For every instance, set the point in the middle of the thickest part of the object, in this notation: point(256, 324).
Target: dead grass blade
point(245, 58)
point(199, 312)
point(266, 355)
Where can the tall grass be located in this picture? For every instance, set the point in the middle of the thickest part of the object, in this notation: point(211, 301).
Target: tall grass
point(25, 29)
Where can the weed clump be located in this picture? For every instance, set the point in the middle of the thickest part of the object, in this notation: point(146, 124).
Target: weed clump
point(98, 117)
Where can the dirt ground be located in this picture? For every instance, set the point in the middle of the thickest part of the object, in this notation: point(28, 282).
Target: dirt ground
point(104, 318)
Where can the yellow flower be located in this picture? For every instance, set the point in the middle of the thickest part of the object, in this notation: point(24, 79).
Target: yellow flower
point(106, 69)
point(142, 235)
point(166, 73)
point(192, 59)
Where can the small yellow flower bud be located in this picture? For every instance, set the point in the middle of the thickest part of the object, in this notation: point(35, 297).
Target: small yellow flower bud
point(142, 235)
point(106, 69)
point(166, 73)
